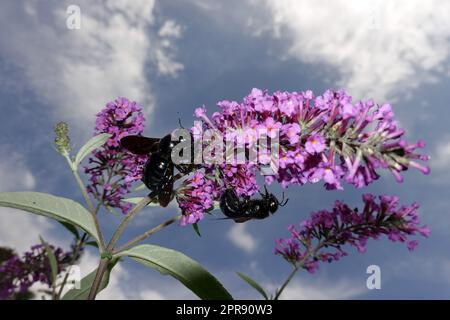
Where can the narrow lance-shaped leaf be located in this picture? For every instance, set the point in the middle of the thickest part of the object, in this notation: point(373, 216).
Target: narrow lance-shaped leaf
point(254, 284)
point(196, 229)
point(58, 208)
point(51, 259)
point(91, 145)
point(71, 228)
point(92, 244)
point(140, 187)
point(136, 200)
point(176, 264)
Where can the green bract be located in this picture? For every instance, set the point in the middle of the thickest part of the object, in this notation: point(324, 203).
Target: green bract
point(91, 145)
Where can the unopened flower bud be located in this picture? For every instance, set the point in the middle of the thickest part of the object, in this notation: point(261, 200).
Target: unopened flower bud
point(62, 140)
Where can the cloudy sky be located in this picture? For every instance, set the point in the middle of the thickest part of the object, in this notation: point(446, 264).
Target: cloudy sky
point(173, 56)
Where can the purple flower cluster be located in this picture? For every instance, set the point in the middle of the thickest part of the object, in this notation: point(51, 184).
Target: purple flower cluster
point(18, 274)
point(196, 196)
point(307, 246)
point(326, 138)
point(112, 170)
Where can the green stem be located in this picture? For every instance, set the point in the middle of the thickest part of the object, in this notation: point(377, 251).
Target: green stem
point(138, 207)
point(93, 210)
point(326, 241)
point(120, 229)
point(297, 266)
point(286, 282)
point(98, 278)
point(146, 234)
point(81, 185)
point(53, 290)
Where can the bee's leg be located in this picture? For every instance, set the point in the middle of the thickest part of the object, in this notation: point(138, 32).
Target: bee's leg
point(266, 192)
point(283, 202)
point(183, 168)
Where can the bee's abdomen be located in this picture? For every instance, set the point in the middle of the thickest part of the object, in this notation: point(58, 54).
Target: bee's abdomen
point(154, 171)
point(230, 204)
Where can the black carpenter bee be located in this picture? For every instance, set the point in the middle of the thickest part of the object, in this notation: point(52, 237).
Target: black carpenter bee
point(158, 173)
point(244, 208)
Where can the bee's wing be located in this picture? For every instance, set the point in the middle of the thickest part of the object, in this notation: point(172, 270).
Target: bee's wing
point(165, 194)
point(140, 145)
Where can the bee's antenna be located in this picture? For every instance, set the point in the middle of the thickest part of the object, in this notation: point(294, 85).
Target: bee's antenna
point(283, 202)
point(179, 121)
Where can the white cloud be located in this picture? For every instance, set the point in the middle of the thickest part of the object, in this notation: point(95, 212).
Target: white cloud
point(115, 291)
point(19, 230)
point(125, 283)
point(164, 54)
point(151, 295)
point(13, 172)
point(441, 157)
point(170, 29)
point(241, 238)
point(380, 48)
point(77, 71)
point(321, 290)
point(423, 266)
point(439, 164)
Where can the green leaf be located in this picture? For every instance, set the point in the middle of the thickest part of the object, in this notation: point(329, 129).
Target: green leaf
point(92, 244)
point(254, 284)
point(136, 200)
point(51, 259)
point(176, 264)
point(47, 205)
point(91, 145)
point(86, 284)
point(140, 187)
point(196, 229)
point(216, 205)
point(71, 228)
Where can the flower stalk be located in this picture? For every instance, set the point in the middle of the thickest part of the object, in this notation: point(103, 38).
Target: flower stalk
point(146, 234)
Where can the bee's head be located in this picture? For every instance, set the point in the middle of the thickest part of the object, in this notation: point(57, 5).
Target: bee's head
point(273, 203)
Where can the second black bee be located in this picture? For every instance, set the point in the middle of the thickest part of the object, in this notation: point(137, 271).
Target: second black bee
point(242, 209)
